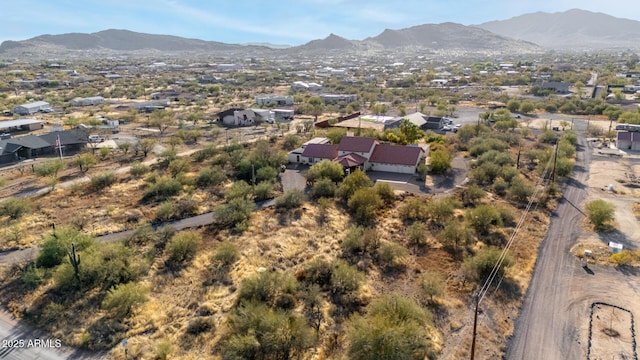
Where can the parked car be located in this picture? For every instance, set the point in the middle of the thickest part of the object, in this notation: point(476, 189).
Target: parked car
point(456, 128)
point(96, 138)
point(446, 128)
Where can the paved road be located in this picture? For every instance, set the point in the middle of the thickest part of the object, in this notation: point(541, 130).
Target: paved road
point(21, 342)
point(543, 329)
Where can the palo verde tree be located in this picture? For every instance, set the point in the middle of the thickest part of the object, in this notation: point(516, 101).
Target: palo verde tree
point(600, 213)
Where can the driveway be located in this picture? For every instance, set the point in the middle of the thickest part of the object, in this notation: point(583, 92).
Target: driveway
point(293, 177)
point(401, 182)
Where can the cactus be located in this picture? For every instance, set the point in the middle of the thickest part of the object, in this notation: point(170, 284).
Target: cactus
point(75, 261)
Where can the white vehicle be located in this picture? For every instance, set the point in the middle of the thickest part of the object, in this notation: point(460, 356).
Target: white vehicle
point(96, 138)
point(446, 128)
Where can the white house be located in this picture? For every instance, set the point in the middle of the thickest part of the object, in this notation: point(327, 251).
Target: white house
point(32, 108)
point(396, 158)
point(278, 100)
point(88, 101)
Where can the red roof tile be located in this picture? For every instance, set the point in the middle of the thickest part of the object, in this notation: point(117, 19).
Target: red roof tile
point(395, 154)
point(321, 151)
point(351, 160)
point(356, 143)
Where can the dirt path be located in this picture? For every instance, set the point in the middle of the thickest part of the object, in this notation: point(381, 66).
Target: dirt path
point(544, 329)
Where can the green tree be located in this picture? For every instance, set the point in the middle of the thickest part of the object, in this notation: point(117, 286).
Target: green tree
point(325, 169)
point(410, 132)
point(85, 161)
point(145, 145)
point(15, 208)
point(162, 120)
point(455, 236)
point(526, 107)
point(600, 213)
point(440, 161)
point(432, 285)
point(354, 181)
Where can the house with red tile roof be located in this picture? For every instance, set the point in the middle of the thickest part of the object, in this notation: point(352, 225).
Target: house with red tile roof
point(364, 153)
point(362, 146)
point(396, 158)
point(314, 153)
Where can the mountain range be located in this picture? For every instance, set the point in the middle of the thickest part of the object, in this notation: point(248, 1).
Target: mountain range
point(530, 33)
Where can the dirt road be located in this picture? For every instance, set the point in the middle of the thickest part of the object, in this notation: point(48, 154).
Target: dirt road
point(544, 329)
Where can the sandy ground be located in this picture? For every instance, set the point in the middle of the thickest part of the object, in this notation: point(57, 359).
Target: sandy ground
point(603, 282)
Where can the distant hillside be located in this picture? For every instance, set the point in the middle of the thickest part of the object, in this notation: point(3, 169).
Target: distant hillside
point(117, 40)
point(450, 36)
point(447, 36)
point(572, 29)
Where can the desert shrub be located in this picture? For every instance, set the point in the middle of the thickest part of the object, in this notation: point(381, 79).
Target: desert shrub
point(564, 166)
point(385, 192)
point(290, 200)
point(263, 191)
point(486, 173)
point(548, 137)
point(258, 332)
point(483, 218)
point(480, 266)
point(56, 244)
point(239, 190)
point(266, 287)
point(623, 258)
point(472, 194)
point(200, 324)
point(225, 254)
point(163, 349)
point(440, 161)
point(318, 271)
point(479, 146)
point(600, 213)
point(354, 181)
point(234, 212)
point(360, 240)
point(417, 233)
point(103, 267)
point(103, 180)
point(415, 208)
point(500, 186)
point(519, 190)
point(291, 141)
point(441, 210)
point(455, 235)
point(432, 284)
point(33, 276)
point(121, 299)
point(395, 327)
point(497, 157)
point(267, 173)
point(182, 247)
point(363, 205)
point(161, 188)
point(345, 278)
point(206, 153)
point(166, 211)
point(323, 187)
point(212, 176)
point(15, 208)
point(138, 169)
point(392, 254)
point(508, 173)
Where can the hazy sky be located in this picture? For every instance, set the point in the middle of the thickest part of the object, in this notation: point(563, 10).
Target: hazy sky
point(292, 22)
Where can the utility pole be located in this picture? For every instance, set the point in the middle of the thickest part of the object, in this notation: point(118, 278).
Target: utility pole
point(475, 327)
point(555, 160)
point(518, 159)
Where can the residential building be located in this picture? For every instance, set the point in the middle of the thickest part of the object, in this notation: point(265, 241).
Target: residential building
point(238, 117)
point(274, 100)
point(628, 140)
point(88, 101)
point(20, 125)
point(396, 158)
point(556, 86)
point(32, 108)
point(334, 99)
